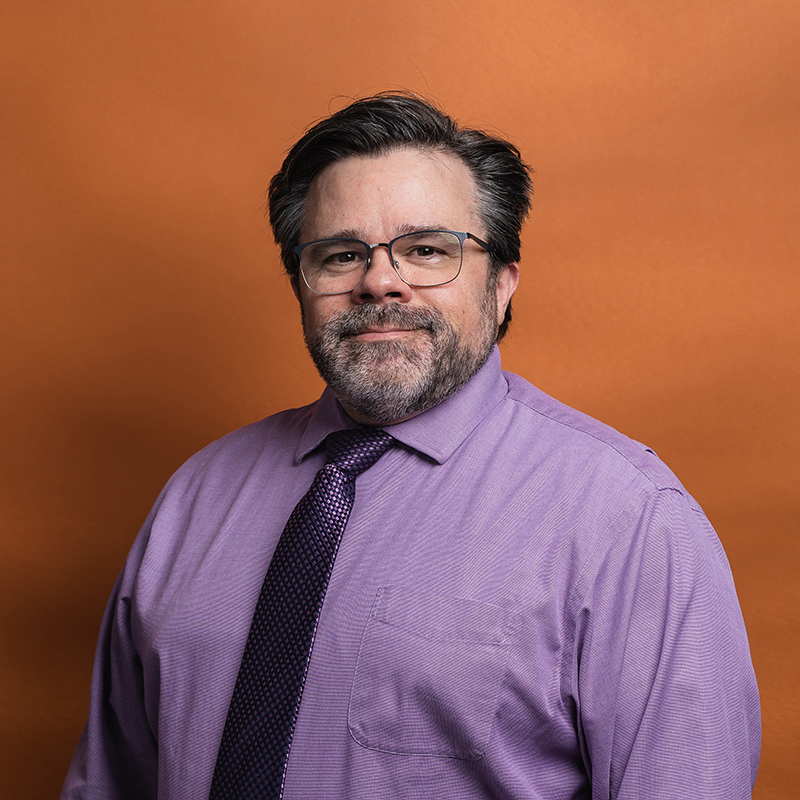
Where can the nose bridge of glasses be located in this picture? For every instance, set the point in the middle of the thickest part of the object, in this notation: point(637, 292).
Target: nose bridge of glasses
point(388, 245)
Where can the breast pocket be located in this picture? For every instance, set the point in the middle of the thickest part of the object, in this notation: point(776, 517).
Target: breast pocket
point(428, 675)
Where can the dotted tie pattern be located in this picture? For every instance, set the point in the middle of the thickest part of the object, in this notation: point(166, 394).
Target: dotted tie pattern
point(263, 711)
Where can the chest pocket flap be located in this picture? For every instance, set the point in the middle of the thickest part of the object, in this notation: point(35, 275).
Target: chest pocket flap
point(428, 675)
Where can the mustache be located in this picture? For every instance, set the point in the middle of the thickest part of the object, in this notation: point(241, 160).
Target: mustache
point(355, 320)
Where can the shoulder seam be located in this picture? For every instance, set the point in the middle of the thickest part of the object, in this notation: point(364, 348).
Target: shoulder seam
point(604, 442)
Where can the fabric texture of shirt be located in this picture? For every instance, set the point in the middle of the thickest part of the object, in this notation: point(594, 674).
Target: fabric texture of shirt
point(525, 604)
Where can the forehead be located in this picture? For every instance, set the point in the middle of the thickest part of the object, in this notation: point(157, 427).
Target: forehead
point(382, 196)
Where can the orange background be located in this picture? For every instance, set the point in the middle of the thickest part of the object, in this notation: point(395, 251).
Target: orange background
point(145, 313)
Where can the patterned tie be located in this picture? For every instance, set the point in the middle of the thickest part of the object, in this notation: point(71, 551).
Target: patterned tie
point(266, 699)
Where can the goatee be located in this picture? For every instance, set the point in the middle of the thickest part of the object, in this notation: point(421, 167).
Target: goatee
point(386, 381)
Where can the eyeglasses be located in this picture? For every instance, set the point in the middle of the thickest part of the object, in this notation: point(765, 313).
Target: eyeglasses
point(423, 258)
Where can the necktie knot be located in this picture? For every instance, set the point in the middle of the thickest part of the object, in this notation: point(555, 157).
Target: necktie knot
point(357, 449)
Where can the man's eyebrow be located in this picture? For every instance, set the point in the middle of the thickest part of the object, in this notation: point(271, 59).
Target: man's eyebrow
point(422, 228)
point(347, 233)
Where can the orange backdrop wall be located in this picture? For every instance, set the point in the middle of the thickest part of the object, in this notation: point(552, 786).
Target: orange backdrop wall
point(145, 314)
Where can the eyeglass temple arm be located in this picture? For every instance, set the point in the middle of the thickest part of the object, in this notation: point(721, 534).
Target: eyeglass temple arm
point(485, 245)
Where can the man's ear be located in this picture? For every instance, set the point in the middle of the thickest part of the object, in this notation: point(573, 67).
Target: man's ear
point(295, 282)
point(507, 281)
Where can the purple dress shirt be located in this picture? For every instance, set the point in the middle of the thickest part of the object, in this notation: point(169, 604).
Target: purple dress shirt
point(525, 604)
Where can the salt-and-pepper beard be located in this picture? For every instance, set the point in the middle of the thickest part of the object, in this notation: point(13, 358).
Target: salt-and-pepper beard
point(384, 381)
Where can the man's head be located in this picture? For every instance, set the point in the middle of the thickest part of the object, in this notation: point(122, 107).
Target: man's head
point(380, 168)
point(391, 121)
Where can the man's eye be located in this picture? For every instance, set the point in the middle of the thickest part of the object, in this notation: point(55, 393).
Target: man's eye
point(342, 261)
point(424, 254)
point(343, 258)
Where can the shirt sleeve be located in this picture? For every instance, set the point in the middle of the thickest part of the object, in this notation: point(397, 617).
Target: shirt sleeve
point(668, 705)
point(117, 755)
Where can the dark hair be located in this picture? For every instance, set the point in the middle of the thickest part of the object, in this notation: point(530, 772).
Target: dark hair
point(389, 121)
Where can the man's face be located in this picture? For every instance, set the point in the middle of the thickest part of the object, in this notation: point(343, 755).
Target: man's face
point(389, 350)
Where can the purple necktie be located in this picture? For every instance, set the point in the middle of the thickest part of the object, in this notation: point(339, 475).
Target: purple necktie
point(262, 714)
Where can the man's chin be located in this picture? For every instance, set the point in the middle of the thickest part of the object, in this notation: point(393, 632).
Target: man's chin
point(411, 351)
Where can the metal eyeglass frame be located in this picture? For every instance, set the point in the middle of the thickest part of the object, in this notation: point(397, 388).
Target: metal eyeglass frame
point(462, 236)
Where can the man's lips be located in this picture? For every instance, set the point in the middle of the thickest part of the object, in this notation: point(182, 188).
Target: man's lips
point(367, 334)
point(384, 323)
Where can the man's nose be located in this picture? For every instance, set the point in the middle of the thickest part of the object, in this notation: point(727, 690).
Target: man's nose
point(381, 281)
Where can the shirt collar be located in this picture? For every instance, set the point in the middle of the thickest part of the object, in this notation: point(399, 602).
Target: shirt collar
point(437, 432)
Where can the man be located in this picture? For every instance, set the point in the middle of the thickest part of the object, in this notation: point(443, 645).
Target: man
point(524, 603)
